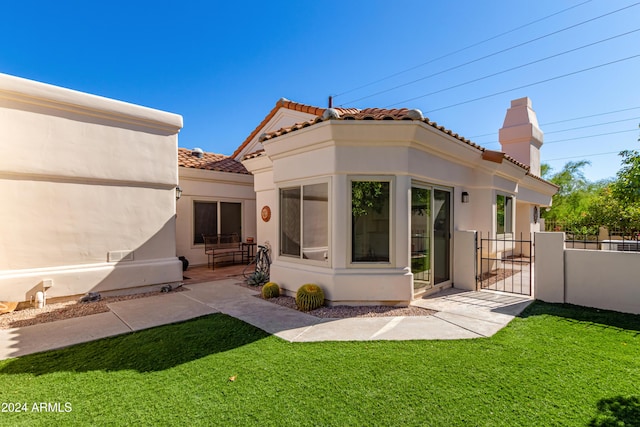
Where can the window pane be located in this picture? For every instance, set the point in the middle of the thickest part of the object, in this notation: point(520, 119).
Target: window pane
point(315, 208)
point(205, 220)
point(290, 221)
point(500, 214)
point(420, 236)
point(231, 218)
point(504, 214)
point(441, 235)
point(508, 215)
point(370, 221)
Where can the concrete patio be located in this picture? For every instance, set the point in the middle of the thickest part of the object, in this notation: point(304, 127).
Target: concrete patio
point(460, 315)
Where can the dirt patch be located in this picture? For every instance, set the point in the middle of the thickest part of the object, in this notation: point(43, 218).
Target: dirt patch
point(345, 311)
point(66, 310)
point(496, 276)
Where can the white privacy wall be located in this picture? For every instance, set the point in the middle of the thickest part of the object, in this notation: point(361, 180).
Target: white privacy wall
point(603, 279)
point(88, 188)
point(591, 278)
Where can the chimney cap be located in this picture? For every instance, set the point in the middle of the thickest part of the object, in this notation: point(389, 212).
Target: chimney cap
point(525, 101)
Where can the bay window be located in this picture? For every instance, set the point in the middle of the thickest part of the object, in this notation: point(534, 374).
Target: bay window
point(304, 222)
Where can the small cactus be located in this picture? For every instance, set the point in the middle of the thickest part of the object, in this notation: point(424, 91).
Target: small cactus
point(270, 290)
point(258, 278)
point(309, 297)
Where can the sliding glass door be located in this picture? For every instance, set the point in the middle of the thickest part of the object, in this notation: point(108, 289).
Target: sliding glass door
point(441, 235)
point(421, 236)
point(430, 236)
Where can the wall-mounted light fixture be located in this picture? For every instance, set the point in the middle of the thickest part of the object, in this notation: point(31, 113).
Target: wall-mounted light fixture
point(178, 192)
point(465, 197)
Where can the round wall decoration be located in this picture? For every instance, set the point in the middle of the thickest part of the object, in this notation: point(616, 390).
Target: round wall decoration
point(266, 213)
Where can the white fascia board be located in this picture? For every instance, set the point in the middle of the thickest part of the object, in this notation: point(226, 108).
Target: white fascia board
point(299, 141)
point(282, 118)
point(258, 164)
point(214, 176)
point(371, 133)
point(32, 93)
point(539, 186)
point(528, 195)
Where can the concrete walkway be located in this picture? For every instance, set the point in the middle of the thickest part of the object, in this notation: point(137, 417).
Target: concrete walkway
point(460, 315)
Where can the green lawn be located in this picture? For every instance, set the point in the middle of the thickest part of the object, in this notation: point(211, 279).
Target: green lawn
point(554, 366)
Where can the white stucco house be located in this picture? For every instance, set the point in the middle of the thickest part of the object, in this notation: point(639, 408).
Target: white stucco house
point(365, 203)
point(88, 188)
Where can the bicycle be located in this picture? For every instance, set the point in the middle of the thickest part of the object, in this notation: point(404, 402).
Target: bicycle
point(262, 262)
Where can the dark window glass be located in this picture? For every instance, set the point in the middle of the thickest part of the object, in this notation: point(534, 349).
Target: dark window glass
point(205, 220)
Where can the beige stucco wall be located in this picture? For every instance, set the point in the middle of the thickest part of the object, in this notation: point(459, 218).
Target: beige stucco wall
point(549, 267)
point(211, 186)
point(464, 249)
point(86, 180)
point(603, 279)
point(266, 196)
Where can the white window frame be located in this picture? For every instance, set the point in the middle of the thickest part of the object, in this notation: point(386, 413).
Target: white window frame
point(391, 179)
point(299, 259)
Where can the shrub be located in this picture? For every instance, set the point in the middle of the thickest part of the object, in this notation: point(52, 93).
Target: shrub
point(270, 290)
point(309, 297)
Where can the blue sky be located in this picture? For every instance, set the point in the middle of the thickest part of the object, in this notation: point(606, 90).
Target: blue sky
point(224, 65)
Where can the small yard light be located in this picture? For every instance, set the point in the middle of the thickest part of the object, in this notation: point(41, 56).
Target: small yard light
point(178, 192)
point(465, 197)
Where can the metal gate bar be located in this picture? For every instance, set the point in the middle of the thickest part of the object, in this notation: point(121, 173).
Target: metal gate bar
point(504, 264)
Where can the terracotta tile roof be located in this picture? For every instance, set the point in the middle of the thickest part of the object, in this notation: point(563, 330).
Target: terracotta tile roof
point(517, 163)
point(378, 114)
point(370, 114)
point(364, 114)
point(209, 161)
point(254, 154)
point(290, 105)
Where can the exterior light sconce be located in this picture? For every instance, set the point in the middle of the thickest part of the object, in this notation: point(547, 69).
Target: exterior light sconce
point(465, 197)
point(178, 192)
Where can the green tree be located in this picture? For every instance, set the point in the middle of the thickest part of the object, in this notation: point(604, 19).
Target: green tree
point(367, 196)
point(571, 203)
point(583, 205)
point(626, 187)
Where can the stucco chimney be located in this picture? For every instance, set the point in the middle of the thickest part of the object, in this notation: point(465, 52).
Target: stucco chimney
point(520, 135)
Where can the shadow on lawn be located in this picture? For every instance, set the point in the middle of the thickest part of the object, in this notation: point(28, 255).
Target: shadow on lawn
point(596, 317)
point(617, 411)
point(149, 350)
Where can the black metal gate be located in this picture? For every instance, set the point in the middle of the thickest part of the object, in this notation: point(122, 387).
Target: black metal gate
point(504, 263)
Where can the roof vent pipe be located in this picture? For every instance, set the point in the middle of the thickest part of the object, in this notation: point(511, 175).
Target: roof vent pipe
point(197, 152)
